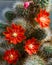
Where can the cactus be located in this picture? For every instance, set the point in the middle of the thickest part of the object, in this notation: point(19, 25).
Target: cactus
point(34, 60)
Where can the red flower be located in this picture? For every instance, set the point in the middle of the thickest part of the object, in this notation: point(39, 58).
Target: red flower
point(11, 56)
point(43, 18)
point(31, 46)
point(14, 34)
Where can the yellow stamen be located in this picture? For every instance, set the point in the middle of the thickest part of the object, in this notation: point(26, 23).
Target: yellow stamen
point(43, 19)
point(14, 34)
point(11, 56)
point(31, 46)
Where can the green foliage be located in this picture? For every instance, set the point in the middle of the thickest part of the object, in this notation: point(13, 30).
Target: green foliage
point(42, 3)
point(48, 49)
point(19, 9)
point(10, 15)
point(3, 26)
point(39, 34)
point(34, 60)
point(20, 48)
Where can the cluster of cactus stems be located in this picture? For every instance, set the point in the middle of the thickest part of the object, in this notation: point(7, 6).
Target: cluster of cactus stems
point(25, 18)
